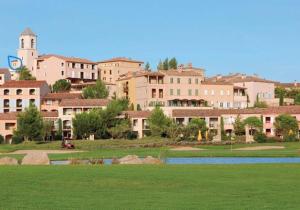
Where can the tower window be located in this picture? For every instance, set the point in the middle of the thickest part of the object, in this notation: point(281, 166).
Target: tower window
point(32, 43)
point(22, 43)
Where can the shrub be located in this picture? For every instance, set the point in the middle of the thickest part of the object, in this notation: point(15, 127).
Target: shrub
point(260, 137)
point(1, 139)
point(17, 139)
point(132, 135)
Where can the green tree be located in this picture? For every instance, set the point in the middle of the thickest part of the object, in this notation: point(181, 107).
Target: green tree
point(99, 122)
point(287, 127)
point(61, 85)
point(24, 74)
point(254, 123)
point(160, 65)
point(280, 91)
point(158, 122)
point(166, 64)
point(30, 124)
point(1, 139)
point(260, 104)
point(173, 63)
point(147, 66)
point(59, 132)
point(174, 131)
point(239, 127)
point(121, 129)
point(98, 90)
point(297, 99)
point(193, 128)
point(47, 129)
point(138, 107)
point(223, 133)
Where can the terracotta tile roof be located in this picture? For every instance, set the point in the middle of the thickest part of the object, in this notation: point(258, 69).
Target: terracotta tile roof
point(53, 114)
point(120, 59)
point(138, 114)
point(65, 95)
point(24, 84)
point(219, 112)
point(288, 85)
point(4, 71)
point(184, 72)
point(139, 74)
point(68, 59)
point(14, 115)
point(8, 116)
point(215, 83)
point(84, 102)
point(237, 78)
point(28, 31)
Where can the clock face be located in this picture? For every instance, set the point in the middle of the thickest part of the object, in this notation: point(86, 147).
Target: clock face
point(14, 62)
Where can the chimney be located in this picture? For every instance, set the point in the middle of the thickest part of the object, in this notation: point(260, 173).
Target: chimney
point(180, 67)
point(190, 65)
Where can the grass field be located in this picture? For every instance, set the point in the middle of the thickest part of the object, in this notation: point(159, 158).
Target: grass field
point(120, 148)
point(271, 186)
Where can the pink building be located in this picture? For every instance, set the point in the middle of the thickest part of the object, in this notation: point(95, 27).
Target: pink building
point(51, 101)
point(8, 123)
point(68, 108)
point(55, 67)
point(17, 95)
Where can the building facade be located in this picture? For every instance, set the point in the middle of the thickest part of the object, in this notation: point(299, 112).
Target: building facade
point(15, 96)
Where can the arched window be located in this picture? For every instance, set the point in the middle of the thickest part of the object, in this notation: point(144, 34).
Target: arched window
point(32, 43)
point(22, 43)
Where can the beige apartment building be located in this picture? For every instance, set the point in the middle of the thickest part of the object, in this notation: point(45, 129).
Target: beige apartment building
point(8, 123)
point(15, 96)
point(184, 87)
point(68, 108)
point(254, 87)
point(112, 69)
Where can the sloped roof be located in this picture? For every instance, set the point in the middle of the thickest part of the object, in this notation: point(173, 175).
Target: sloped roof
point(84, 102)
point(138, 114)
point(4, 71)
point(183, 72)
point(120, 59)
point(27, 32)
point(219, 112)
point(14, 115)
point(140, 73)
point(68, 59)
point(237, 78)
point(23, 84)
point(65, 95)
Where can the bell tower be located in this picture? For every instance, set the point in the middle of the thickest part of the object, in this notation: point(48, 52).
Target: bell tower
point(28, 49)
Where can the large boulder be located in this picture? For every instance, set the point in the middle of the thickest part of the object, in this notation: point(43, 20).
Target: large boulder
point(8, 161)
point(130, 159)
point(151, 160)
point(36, 158)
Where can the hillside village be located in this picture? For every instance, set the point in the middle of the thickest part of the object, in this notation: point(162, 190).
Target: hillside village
point(183, 93)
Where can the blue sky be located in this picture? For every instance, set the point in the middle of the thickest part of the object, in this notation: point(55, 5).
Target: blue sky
point(249, 36)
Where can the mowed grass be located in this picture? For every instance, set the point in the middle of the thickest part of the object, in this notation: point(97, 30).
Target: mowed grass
point(120, 148)
point(266, 186)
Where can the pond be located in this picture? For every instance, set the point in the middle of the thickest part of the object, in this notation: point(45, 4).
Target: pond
point(212, 160)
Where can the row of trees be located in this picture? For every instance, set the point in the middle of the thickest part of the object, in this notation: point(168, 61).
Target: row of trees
point(281, 93)
point(31, 126)
point(103, 123)
point(161, 125)
point(167, 64)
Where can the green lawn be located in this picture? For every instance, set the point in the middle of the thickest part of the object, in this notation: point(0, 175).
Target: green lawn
point(120, 148)
point(267, 186)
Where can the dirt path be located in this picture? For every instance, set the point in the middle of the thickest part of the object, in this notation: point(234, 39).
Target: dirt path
point(21, 152)
point(260, 148)
point(186, 149)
